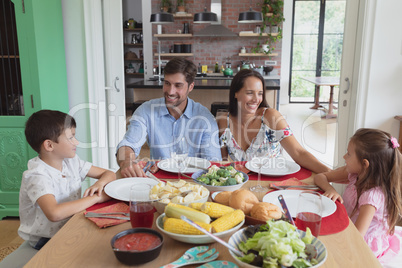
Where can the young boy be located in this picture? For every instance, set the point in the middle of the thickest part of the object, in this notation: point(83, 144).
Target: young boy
point(51, 187)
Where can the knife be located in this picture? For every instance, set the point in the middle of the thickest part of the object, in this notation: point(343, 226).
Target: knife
point(309, 187)
point(109, 217)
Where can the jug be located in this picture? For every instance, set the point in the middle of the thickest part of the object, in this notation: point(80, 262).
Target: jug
point(245, 65)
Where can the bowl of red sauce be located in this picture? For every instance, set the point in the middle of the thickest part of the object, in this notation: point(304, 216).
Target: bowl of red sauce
point(137, 246)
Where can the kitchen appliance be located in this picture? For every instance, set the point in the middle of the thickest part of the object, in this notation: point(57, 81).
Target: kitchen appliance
point(245, 65)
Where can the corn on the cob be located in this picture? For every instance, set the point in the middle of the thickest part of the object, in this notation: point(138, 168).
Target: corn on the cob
point(178, 226)
point(181, 206)
point(215, 210)
point(228, 221)
point(196, 206)
point(175, 211)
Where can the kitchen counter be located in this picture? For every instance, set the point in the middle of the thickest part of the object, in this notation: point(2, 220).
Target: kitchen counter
point(218, 91)
point(206, 83)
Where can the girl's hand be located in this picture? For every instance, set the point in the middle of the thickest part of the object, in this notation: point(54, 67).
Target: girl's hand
point(333, 195)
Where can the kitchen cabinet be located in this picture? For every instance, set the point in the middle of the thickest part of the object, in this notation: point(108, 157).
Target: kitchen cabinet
point(131, 45)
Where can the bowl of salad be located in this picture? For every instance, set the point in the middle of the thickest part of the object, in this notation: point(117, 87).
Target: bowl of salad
point(225, 178)
point(281, 244)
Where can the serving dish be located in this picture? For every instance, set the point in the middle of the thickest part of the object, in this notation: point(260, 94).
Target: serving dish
point(137, 257)
point(195, 239)
point(211, 188)
point(240, 236)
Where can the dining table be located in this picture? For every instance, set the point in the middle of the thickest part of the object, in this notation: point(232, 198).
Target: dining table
point(324, 81)
point(81, 243)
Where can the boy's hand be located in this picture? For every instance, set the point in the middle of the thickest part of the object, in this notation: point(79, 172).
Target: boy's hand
point(96, 188)
point(103, 197)
point(333, 195)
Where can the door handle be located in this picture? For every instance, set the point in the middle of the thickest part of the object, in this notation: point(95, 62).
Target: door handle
point(348, 86)
point(114, 84)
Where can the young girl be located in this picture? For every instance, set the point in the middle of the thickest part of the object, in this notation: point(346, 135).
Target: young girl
point(372, 197)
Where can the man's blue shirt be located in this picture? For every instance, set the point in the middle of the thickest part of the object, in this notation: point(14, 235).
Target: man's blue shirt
point(153, 123)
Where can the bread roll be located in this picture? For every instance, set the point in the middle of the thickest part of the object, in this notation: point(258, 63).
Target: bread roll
point(243, 199)
point(265, 211)
point(223, 198)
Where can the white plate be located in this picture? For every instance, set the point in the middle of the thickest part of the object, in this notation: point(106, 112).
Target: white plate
point(170, 165)
point(120, 189)
point(291, 198)
point(277, 166)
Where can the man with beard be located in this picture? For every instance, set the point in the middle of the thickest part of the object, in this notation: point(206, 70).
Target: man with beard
point(161, 122)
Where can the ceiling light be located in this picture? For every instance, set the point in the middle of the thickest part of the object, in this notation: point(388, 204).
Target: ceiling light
point(205, 17)
point(250, 16)
point(161, 18)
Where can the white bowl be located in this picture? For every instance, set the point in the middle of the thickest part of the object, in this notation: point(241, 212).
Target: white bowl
point(239, 236)
point(211, 188)
point(160, 207)
point(195, 239)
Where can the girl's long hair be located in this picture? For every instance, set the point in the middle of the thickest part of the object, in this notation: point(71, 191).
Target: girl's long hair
point(384, 170)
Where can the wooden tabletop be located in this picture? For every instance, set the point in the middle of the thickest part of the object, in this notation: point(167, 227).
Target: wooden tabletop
point(80, 243)
point(323, 81)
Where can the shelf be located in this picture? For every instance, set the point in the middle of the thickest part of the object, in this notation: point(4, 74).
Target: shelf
point(133, 45)
point(135, 74)
point(9, 57)
point(133, 30)
point(139, 59)
point(173, 35)
point(257, 55)
point(182, 15)
point(175, 54)
point(256, 34)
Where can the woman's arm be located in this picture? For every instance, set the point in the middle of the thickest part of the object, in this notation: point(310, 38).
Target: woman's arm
point(366, 214)
point(301, 156)
point(104, 176)
point(322, 180)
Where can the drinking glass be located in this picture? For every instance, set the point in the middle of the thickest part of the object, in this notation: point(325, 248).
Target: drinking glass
point(179, 154)
point(141, 208)
point(259, 157)
point(309, 212)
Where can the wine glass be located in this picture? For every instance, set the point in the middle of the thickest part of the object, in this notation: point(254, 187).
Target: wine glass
point(259, 157)
point(179, 153)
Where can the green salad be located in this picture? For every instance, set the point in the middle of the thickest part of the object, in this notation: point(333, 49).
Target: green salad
point(278, 243)
point(221, 176)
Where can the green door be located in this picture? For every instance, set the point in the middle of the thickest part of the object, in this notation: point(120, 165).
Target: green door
point(32, 77)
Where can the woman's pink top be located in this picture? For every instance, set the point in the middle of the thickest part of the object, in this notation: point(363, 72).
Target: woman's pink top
point(384, 246)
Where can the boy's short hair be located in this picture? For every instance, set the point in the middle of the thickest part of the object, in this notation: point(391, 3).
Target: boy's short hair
point(46, 125)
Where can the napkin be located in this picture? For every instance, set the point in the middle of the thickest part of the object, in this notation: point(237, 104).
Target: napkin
point(110, 206)
point(288, 182)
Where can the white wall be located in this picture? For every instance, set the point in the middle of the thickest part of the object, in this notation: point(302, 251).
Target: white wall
point(384, 96)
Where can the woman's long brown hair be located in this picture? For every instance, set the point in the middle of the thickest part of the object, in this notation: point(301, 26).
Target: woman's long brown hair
point(384, 170)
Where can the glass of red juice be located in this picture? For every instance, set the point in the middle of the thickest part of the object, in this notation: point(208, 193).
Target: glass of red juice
point(309, 212)
point(141, 208)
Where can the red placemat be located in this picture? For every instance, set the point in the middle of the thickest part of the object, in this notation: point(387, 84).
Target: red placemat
point(108, 207)
point(336, 222)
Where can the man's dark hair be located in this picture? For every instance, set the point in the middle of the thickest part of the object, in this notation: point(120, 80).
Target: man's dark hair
point(183, 66)
point(46, 125)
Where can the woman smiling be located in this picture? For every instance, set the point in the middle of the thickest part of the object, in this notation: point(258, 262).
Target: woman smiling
point(251, 123)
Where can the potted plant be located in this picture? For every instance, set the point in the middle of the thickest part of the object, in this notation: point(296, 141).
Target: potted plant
point(180, 6)
point(166, 5)
point(272, 11)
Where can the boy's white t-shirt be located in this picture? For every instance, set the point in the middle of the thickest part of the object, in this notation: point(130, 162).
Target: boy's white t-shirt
point(41, 179)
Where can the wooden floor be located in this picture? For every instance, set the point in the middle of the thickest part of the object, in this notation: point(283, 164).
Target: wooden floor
point(8, 232)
